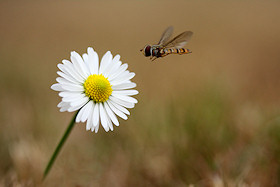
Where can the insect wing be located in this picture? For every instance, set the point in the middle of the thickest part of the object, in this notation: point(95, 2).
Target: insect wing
point(165, 36)
point(179, 41)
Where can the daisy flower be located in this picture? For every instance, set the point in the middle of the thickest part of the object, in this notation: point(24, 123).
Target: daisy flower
point(100, 92)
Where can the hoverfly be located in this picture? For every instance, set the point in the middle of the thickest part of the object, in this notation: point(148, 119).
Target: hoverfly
point(166, 47)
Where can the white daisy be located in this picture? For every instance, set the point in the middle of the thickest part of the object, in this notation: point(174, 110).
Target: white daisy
point(99, 92)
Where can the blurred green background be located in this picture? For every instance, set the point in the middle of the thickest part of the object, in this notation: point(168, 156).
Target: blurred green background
point(210, 118)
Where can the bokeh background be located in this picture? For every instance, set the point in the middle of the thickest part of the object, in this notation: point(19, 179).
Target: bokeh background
point(211, 118)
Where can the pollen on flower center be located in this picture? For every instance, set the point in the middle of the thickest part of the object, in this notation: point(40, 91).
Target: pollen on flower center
point(98, 88)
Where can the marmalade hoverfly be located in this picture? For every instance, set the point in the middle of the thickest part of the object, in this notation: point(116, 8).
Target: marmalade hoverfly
point(165, 47)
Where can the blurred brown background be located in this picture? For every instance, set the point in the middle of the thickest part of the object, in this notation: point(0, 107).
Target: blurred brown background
point(210, 118)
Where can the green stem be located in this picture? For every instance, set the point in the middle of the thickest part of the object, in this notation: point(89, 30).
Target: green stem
point(59, 146)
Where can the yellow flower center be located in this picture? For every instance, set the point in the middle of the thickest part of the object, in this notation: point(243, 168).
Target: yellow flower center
point(98, 88)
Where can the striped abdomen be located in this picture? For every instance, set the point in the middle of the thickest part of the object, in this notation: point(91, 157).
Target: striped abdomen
point(179, 51)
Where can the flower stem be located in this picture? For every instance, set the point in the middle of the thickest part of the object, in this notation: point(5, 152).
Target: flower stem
point(59, 146)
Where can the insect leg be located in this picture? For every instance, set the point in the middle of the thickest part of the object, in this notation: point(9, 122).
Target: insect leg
point(154, 58)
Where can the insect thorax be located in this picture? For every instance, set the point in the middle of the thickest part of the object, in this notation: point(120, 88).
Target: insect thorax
point(156, 50)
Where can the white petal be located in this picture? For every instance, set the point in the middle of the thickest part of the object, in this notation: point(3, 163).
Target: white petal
point(124, 86)
point(62, 81)
point(89, 122)
point(83, 65)
point(64, 107)
point(73, 108)
point(85, 58)
point(103, 117)
point(78, 118)
point(118, 72)
point(62, 104)
point(111, 66)
point(93, 61)
point(122, 79)
point(75, 98)
point(79, 64)
point(67, 77)
point(92, 127)
point(116, 63)
point(109, 122)
point(121, 102)
point(116, 58)
point(79, 101)
point(105, 61)
point(65, 82)
point(120, 108)
point(96, 128)
point(69, 67)
point(88, 110)
point(115, 66)
point(116, 111)
point(111, 114)
point(73, 87)
point(107, 68)
point(125, 98)
point(57, 87)
point(70, 94)
point(63, 68)
point(96, 116)
point(126, 92)
point(76, 64)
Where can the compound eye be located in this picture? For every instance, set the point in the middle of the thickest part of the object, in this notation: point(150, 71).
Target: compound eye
point(148, 50)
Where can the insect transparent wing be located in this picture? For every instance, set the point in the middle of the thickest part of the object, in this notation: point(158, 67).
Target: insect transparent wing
point(179, 41)
point(166, 35)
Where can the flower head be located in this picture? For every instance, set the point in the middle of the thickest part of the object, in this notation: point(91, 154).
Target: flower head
point(100, 92)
